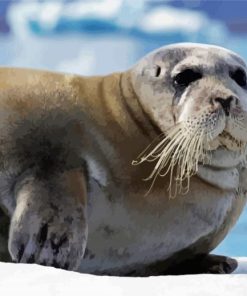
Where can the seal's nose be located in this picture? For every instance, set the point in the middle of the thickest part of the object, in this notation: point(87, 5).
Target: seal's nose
point(225, 103)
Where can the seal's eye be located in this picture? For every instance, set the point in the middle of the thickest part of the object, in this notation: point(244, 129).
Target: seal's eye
point(239, 77)
point(184, 78)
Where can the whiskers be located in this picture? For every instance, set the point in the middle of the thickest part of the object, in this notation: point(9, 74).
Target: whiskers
point(178, 154)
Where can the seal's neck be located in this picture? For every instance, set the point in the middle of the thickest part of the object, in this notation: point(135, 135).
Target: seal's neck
point(118, 119)
point(114, 105)
point(133, 107)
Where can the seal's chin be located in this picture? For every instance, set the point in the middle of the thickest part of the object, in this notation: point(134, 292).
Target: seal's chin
point(219, 165)
point(224, 151)
point(223, 158)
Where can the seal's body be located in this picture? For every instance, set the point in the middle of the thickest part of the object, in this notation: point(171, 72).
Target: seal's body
point(66, 148)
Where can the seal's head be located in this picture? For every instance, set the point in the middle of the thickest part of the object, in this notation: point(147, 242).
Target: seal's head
point(197, 95)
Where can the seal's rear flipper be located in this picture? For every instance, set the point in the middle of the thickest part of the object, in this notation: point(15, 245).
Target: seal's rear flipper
point(214, 264)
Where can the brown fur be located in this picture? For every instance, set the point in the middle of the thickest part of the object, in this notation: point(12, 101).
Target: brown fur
point(54, 128)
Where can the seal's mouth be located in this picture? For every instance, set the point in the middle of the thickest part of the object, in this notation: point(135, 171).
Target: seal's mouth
point(182, 151)
point(225, 140)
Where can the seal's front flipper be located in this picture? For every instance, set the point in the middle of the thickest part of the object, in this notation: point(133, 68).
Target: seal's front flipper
point(49, 224)
point(214, 264)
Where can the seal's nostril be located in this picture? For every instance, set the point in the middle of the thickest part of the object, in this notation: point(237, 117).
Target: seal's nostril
point(225, 103)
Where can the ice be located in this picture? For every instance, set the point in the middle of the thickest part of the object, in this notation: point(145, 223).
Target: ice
point(97, 37)
point(31, 279)
point(135, 18)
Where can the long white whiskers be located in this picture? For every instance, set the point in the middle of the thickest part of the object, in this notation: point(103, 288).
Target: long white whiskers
point(180, 149)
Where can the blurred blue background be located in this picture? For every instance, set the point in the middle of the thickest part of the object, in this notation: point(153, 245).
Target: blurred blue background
point(100, 36)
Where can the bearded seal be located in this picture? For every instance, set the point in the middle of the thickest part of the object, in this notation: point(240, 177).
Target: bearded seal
point(72, 182)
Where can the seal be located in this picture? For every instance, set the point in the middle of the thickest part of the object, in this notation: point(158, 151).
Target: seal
point(74, 152)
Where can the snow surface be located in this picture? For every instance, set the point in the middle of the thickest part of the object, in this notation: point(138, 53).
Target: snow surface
point(23, 279)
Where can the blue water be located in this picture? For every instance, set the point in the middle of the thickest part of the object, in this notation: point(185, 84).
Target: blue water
point(93, 39)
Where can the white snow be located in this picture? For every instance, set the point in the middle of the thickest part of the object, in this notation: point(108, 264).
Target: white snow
point(22, 279)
